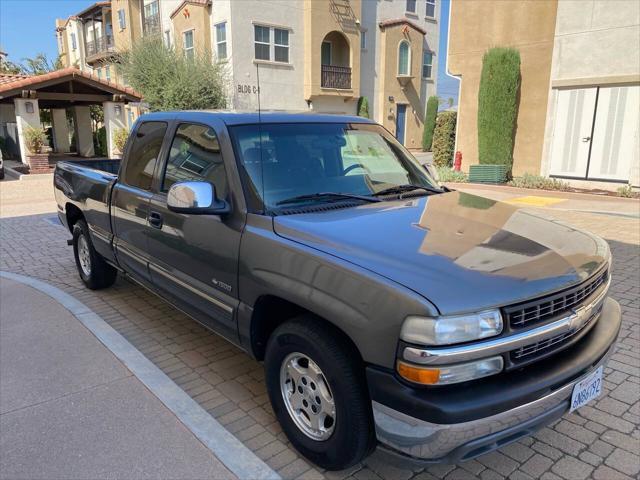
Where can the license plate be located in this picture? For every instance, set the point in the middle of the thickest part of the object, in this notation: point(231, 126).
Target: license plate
point(587, 389)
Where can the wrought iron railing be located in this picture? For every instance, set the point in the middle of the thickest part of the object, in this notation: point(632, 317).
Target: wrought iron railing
point(335, 77)
point(99, 45)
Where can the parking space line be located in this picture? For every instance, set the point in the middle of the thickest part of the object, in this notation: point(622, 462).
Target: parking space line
point(227, 448)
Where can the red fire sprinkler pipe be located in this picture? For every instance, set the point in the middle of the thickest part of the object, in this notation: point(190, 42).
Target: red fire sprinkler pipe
point(457, 162)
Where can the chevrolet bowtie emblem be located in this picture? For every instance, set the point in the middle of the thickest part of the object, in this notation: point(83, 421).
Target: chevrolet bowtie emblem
point(580, 317)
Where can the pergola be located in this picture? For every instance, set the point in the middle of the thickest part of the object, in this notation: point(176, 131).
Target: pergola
point(22, 97)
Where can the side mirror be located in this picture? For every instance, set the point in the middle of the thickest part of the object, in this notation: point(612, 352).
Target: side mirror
point(195, 198)
point(432, 171)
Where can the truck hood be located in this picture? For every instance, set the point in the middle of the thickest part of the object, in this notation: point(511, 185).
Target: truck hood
point(460, 251)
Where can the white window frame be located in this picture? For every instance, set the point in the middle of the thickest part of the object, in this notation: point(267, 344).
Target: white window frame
point(430, 2)
point(415, 6)
point(430, 52)
point(408, 73)
point(220, 43)
point(190, 51)
point(271, 44)
point(122, 19)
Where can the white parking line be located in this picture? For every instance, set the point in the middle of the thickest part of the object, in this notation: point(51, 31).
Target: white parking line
point(227, 448)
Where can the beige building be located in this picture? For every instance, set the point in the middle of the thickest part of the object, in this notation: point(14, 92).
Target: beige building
point(578, 114)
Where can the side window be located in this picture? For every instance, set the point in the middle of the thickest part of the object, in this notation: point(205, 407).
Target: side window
point(144, 154)
point(195, 156)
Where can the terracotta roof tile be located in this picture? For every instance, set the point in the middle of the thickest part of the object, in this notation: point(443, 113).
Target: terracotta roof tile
point(11, 77)
point(401, 21)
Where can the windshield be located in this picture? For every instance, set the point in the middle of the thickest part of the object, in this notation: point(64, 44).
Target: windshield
point(306, 159)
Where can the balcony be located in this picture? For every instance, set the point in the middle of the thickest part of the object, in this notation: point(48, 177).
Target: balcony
point(335, 77)
point(99, 48)
point(151, 24)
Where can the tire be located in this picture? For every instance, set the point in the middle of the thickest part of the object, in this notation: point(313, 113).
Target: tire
point(93, 270)
point(349, 436)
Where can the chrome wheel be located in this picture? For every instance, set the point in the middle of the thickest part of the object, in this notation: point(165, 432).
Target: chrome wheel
point(307, 396)
point(84, 255)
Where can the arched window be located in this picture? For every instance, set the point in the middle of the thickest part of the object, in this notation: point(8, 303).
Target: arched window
point(404, 58)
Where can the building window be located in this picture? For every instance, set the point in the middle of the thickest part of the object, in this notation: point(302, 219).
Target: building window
point(74, 43)
point(281, 45)
point(411, 6)
point(107, 73)
point(404, 58)
point(363, 40)
point(99, 72)
point(262, 40)
point(122, 23)
point(221, 40)
point(60, 43)
point(431, 8)
point(188, 44)
point(167, 38)
point(427, 63)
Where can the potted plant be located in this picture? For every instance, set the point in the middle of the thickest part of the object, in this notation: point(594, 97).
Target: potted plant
point(35, 139)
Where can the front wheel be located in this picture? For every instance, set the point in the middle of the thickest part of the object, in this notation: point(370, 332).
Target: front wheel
point(93, 270)
point(318, 393)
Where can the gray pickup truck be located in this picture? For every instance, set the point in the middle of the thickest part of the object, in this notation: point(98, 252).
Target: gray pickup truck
point(389, 311)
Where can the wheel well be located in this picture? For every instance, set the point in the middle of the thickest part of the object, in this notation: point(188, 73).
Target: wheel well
point(270, 312)
point(73, 215)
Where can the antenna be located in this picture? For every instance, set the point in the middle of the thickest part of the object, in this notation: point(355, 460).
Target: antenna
point(260, 134)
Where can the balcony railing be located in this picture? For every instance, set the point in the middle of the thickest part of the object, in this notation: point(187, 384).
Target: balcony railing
point(151, 24)
point(335, 77)
point(99, 45)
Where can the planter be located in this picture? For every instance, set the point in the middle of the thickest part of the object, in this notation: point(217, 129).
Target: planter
point(488, 173)
point(39, 163)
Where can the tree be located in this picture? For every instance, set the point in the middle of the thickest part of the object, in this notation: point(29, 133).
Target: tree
point(40, 64)
point(169, 80)
point(363, 107)
point(429, 122)
point(444, 139)
point(498, 106)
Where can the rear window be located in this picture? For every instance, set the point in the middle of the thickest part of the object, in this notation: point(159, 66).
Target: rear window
point(143, 155)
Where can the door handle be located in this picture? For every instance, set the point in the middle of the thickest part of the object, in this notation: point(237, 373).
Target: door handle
point(155, 219)
point(586, 139)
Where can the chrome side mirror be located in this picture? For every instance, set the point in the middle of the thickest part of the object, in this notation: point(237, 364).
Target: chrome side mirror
point(195, 198)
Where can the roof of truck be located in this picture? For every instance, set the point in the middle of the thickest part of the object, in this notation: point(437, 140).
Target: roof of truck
point(231, 117)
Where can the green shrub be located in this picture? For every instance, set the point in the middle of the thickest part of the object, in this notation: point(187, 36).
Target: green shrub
point(627, 192)
point(100, 142)
point(447, 174)
point(529, 180)
point(498, 106)
point(429, 123)
point(444, 139)
point(35, 139)
point(120, 137)
point(363, 107)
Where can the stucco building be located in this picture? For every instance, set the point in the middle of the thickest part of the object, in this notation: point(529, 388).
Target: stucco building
point(320, 55)
point(578, 116)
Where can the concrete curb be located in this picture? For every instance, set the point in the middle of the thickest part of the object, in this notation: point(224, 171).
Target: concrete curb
point(228, 449)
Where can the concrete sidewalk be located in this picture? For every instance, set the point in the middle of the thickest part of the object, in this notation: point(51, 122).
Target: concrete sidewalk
point(70, 409)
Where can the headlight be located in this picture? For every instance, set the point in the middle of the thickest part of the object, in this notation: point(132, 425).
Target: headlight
point(448, 374)
point(454, 329)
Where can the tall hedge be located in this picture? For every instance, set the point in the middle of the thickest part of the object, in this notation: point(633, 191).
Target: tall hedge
point(498, 105)
point(429, 123)
point(444, 139)
point(363, 107)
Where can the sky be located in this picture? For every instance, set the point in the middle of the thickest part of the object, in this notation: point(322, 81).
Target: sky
point(27, 28)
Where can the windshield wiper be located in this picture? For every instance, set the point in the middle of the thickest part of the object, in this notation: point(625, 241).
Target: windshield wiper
point(327, 196)
point(400, 189)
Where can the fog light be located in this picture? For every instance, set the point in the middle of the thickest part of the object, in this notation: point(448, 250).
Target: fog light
point(448, 374)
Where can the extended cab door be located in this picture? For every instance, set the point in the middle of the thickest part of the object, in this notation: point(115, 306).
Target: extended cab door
point(130, 198)
point(194, 258)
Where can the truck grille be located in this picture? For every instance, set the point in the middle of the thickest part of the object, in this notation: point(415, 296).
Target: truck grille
point(545, 308)
point(529, 352)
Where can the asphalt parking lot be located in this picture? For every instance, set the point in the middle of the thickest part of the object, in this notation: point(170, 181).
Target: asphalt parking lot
point(600, 441)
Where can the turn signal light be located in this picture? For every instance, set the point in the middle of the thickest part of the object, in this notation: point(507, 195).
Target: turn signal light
point(448, 374)
point(425, 376)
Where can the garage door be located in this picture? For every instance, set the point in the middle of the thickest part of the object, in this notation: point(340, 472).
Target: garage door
point(596, 133)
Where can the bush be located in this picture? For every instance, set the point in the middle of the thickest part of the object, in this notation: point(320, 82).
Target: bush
point(120, 137)
point(444, 139)
point(429, 123)
point(363, 107)
point(498, 106)
point(627, 192)
point(100, 142)
point(446, 174)
point(35, 139)
point(529, 180)
point(169, 80)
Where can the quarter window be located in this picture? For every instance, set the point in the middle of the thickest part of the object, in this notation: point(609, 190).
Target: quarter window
point(427, 64)
point(121, 19)
point(221, 40)
point(188, 44)
point(431, 8)
point(144, 153)
point(195, 156)
point(404, 58)
point(411, 6)
point(262, 40)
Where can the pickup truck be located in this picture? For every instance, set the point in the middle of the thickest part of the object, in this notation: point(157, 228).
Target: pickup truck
point(389, 311)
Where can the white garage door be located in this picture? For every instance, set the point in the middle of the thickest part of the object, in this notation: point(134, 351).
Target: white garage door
point(596, 133)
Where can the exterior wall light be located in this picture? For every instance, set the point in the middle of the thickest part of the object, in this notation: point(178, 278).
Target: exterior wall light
point(118, 110)
point(29, 107)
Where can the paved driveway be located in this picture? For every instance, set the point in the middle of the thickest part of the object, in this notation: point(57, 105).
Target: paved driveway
point(600, 441)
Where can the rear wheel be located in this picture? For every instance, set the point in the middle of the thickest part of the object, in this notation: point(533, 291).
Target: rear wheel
point(318, 393)
point(93, 270)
